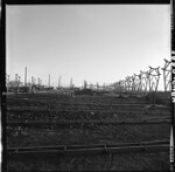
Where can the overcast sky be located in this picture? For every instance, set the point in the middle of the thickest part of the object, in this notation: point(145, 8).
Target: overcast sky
point(97, 43)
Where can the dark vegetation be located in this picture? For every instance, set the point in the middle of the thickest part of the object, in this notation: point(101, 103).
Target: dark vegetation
point(159, 98)
point(53, 107)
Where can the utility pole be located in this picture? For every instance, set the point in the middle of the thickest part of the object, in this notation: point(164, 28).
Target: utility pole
point(38, 81)
point(166, 75)
point(25, 76)
point(16, 77)
point(97, 86)
point(19, 79)
point(8, 79)
point(49, 80)
point(71, 83)
point(59, 81)
point(85, 84)
point(33, 80)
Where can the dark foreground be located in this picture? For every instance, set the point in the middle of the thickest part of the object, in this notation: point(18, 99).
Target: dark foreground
point(50, 121)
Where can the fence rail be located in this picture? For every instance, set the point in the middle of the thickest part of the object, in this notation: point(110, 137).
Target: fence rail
point(161, 145)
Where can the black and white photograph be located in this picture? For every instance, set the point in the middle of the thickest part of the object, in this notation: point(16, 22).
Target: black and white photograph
point(89, 87)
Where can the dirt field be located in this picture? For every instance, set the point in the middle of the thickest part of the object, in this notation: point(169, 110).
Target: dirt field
point(87, 117)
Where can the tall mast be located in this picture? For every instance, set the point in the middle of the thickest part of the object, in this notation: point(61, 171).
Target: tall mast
point(25, 75)
point(49, 80)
